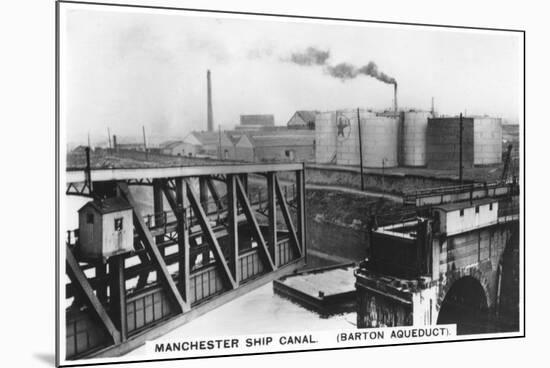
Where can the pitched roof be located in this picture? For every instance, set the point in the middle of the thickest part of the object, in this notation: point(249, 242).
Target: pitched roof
point(108, 205)
point(281, 139)
point(307, 115)
point(211, 138)
point(169, 144)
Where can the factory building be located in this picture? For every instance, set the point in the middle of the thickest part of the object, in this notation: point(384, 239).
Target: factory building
point(302, 119)
point(209, 144)
point(256, 122)
point(176, 148)
point(276, 146)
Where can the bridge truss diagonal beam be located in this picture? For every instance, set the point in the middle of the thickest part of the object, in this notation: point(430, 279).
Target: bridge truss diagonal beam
point(272, 217)
point(301, 208)
point(210, 236)
point(287, 218)
point(154, 252)
point(247, 208)
point(78, 278)
point(214, 193)
point(177, 204)
point(233, 226)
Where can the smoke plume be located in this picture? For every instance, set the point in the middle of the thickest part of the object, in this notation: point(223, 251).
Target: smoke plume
point(311, 56)
point(343, 71)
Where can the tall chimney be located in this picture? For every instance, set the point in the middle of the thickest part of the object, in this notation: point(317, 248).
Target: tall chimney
point(395, 97)
point(114, 143)
point(209, 103)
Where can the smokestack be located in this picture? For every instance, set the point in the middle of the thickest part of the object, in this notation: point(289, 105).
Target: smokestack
point(395, 97)
point(209, 103)
point(115, 147)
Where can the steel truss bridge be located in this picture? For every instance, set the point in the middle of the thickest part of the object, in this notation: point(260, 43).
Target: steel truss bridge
point(203, 251)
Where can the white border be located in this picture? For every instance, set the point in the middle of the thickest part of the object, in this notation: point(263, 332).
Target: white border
point(63, 146)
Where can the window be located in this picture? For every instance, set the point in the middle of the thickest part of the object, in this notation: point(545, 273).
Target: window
point(490, 206)
point(477, 209)
point(89, 218)
point(461, 212)
point(118, 224)
point(290, 154)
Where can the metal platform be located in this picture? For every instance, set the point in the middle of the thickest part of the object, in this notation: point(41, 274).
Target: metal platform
point(327, 290)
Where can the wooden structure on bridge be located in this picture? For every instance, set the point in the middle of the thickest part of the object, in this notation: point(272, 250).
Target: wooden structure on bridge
point(201, 252)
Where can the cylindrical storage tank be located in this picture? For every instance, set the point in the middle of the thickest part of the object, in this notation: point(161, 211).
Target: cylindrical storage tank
point(379, 139)
point(347, 136)
point(415, 124)
point(487, 141)
point(443, 143)
point(325, 137)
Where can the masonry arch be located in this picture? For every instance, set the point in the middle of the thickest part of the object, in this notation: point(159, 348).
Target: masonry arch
point(466, 304)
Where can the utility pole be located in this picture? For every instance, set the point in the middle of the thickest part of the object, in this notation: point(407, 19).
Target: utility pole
point(383, 176)
point(109, 135)
point(220, 142)
point(145, 144)
point(460, 173)
point(210, 114)
point(360, 150)
point(88, 170)
point(89, 146)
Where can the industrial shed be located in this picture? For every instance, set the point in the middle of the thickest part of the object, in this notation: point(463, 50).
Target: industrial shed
point(256, 122)
point(177, 148)
point(302, 119)
point(211, 144)
point(276, 146)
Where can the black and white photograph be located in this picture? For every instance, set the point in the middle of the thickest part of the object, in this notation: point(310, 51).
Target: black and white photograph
point(235, 183)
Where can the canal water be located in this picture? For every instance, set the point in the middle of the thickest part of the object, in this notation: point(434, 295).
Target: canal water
point(259, 312)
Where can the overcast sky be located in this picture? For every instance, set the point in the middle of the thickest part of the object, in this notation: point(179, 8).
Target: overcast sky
point(125, 69)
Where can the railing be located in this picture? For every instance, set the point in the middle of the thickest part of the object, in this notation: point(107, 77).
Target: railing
point(83, 334)
point(149, 306)
point(440, 195)
point(250, 265)
point(164, 219)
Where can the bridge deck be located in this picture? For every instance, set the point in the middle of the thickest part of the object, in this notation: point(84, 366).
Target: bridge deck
point(113, 174)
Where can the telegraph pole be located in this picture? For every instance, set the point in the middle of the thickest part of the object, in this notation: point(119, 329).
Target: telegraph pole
point(460, 173)
point(220, 142)
point(145, 143)
point(109, 135)
point(360, 150)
